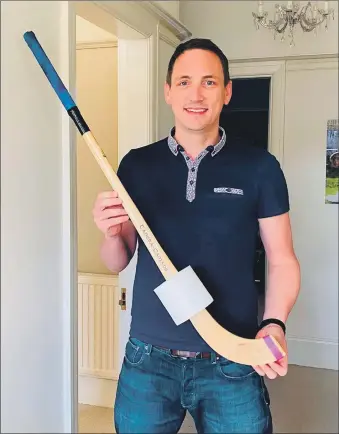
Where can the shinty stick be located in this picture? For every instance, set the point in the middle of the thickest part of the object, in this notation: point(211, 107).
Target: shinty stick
point(241, 350)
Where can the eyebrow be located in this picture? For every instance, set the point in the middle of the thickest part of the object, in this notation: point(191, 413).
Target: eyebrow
point(205, 76)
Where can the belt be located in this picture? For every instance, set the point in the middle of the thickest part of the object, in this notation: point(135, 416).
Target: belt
point(187, 354)
point(191, 354)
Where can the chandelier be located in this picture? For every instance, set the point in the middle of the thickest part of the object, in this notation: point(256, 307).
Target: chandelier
point(309, 16)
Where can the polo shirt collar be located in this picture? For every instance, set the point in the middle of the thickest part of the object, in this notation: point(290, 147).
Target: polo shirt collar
point(173, 144)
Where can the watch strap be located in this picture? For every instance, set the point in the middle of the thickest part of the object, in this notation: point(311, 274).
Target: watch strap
point(269, 321)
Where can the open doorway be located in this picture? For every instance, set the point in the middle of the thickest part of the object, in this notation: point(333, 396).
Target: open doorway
point(248, 116)
point(105, 49)
point(98, 322)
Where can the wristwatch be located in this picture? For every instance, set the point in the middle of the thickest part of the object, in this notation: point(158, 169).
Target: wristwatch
point(276, 321)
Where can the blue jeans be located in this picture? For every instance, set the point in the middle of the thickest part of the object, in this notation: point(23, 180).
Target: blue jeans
point(156, 389)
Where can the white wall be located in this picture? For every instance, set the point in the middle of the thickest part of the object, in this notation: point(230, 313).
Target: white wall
point(172, 7)
point(88, 32)
point(35, 385)
point(312, 99)
point(230, 25)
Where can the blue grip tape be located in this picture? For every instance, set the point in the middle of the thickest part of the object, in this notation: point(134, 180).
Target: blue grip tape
point(49, 70)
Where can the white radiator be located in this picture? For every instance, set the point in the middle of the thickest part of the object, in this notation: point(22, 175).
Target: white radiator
point(98, 322)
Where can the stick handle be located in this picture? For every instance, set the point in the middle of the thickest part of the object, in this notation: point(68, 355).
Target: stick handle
point(164, 264)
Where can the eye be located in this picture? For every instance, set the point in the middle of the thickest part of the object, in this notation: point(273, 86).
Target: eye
point(183, 83)
point(210, 82)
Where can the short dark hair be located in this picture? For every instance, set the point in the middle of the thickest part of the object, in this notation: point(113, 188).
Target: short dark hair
point(200, 44)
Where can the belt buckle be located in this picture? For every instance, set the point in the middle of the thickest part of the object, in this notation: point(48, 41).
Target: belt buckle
point(186, 354)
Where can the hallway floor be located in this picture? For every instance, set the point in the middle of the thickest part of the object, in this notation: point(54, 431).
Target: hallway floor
point(305, 401)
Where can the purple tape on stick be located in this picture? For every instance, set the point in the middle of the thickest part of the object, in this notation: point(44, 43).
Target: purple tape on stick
point(271, 345)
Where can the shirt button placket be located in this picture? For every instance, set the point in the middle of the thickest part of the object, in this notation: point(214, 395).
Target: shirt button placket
point(191, 182)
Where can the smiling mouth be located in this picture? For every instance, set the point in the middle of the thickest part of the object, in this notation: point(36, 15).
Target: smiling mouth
point(196, 111)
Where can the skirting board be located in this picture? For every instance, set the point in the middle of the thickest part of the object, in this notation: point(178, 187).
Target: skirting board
point(313, 353)
point(96, 391)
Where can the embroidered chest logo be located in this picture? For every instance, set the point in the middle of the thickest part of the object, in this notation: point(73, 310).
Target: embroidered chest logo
point(229, 190)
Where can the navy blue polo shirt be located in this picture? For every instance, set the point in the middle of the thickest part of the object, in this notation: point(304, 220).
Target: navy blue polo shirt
point(204, 213)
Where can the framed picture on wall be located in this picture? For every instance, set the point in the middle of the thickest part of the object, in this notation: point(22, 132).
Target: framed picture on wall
point(332, 162)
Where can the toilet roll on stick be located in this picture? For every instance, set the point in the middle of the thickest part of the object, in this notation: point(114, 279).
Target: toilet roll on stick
point(183, 294)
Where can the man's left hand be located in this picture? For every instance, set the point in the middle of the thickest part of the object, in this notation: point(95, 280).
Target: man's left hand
point(280, 367)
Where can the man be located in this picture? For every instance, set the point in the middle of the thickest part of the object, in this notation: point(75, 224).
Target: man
point(204, 196)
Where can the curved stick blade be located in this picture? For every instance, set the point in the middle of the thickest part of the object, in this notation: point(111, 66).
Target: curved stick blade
point(232, 347)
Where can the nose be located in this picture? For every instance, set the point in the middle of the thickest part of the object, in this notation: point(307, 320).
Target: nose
point(196, 94)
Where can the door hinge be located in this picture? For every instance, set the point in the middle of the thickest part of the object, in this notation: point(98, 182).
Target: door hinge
point(122, 301)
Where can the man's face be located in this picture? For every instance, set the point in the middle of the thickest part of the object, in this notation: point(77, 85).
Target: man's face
point(197, 92)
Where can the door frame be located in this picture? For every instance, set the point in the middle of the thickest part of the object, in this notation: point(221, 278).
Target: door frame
point(141, 18)
point(276, 71)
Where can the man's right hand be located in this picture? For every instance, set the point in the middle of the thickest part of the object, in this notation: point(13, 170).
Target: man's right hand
point(109, 213)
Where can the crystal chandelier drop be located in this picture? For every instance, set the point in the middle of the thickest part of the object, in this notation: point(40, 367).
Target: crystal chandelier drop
point(287, 17)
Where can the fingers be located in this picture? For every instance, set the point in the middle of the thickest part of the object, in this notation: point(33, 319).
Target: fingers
point(107, 195)
point(108, 224)
point(108, 212)
point(104, 223)
point(266, 370)
point(105, 200)
point(272, 370)
point(111, 227)
point(108, 202)
point(277, 368)
point(259, 370)
point(280, 367)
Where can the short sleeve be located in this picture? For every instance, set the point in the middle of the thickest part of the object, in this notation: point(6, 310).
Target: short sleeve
point(273, 197)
